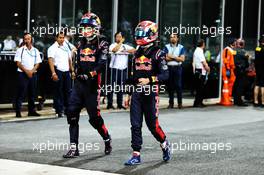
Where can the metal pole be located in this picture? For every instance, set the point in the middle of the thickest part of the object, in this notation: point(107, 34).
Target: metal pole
point(73, 12)
point(114, 19)
point(241, 19)
point(181, 15)
point(181, 11)
point(89, 5)
point(259, 18)
point(221, 50)
point(200, 16)
point(28, 15)
point(60, 13)
point(139, 10)
point(157, 11)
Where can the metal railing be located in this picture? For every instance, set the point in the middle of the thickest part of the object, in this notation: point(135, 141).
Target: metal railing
point(45, 85)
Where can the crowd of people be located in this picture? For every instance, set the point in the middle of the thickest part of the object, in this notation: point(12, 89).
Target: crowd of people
point(151, 65)
point(237, 72)
point(9, 44)
point(238, 68)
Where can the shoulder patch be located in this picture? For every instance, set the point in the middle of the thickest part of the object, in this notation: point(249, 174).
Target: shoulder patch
point(258, 49)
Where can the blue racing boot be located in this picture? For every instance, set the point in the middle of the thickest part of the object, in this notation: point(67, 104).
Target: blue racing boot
point(73, 152)
point(135, 160)
point(165, 146)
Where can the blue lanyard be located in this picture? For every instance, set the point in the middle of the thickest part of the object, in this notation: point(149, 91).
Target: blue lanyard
point(35, 55)
point(63, 48)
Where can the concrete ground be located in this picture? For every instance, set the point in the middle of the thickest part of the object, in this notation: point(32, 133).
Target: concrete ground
point(7, 113)
point(211, 140)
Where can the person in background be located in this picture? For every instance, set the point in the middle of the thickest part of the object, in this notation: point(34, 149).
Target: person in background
point(175, 56)
point(259, 66)
point(241, 65)
point(201, 71)
point(9, 44)
point(118, 68)
point(20, 41)
point(27, 59)
point(228, 69)
point(60, 62)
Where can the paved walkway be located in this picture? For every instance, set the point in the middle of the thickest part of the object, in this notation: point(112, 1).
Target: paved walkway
point(11, 167)
point(7, 114)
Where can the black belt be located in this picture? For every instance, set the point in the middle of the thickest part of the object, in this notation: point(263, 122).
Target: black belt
point(55, 67)
point(198, 70)
point(175, 65)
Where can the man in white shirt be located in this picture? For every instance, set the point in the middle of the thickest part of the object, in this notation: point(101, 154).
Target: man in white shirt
point(118, 68)
point(201, 70)
point(27, 59)
point(9, 44)
point(67, 39)
point(60, 62)
point(175, 56)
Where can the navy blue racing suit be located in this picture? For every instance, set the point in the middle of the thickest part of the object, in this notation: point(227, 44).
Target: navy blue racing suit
point(148, 63)
point(91, 59)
